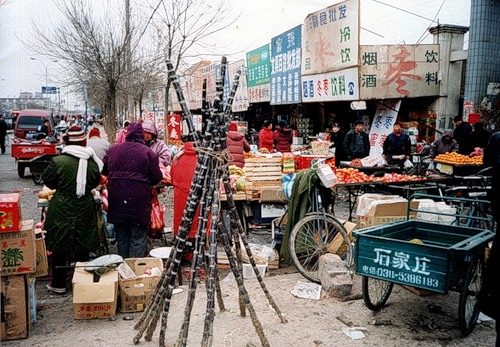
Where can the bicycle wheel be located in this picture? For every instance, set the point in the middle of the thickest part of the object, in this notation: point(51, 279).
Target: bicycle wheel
point(314, 236)
point(375, 292)
point(469, 293)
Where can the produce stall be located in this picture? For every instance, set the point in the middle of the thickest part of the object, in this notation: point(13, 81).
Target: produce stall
point(455, 164)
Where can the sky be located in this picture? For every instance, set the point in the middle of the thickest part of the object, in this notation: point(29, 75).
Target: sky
point(381, 21)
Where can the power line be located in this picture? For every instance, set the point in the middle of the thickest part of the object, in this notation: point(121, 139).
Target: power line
point(409, 12)
point(374, 33)
point(422, 37)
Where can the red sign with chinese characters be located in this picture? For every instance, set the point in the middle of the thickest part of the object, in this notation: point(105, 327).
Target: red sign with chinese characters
point(174, 127)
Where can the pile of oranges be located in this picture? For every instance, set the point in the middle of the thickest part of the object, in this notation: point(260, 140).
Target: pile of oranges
point(455, 158)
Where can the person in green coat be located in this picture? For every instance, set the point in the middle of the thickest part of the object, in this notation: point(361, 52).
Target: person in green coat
point(71, 221)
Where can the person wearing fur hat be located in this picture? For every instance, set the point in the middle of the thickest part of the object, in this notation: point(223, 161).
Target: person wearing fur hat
point(120, 136)
point(132, 170)
point(99, 145)
point(71, 220)
point(444, 144)
point(237, 145)
point(157, 146)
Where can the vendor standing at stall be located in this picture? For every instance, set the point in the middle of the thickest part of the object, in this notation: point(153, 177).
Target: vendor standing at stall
point(157, 146)
point(356, 142)
point(337, 137)
point(445, 144)
point(283, 137)
point(397, 146)
point(266, 136)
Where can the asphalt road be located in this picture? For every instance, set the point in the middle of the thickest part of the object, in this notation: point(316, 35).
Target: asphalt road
point(410, 320)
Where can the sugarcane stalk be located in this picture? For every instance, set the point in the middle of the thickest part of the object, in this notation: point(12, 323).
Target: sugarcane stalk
point(235, 220)
point(224, 236)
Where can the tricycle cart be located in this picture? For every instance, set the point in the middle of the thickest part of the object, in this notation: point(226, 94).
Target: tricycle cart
point(423, 255)
point(38, 166)
point(25, 152)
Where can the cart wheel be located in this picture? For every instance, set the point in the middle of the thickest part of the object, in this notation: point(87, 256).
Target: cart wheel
point(37, 178)
point(314, 236)
point(375, 292)
point(20, 170)
point(469, 293)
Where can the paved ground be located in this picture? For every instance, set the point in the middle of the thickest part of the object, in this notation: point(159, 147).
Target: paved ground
point(410, 320)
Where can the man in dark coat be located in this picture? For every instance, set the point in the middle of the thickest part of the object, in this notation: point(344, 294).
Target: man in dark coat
point(237, 145)
point(282, 137)
point(71, 221)
point(132, 169)
point(397, 146)
point(3, 133)
point(462, 134)
point(479, 137)
point(356, 142)
point(489, 298)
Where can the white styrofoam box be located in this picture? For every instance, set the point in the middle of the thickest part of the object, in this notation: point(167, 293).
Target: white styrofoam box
point(248, 272)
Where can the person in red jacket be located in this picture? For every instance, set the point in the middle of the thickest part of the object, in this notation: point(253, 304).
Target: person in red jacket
point(237, 145)
point(283, 137)
point(182, 171)
point(266, 136)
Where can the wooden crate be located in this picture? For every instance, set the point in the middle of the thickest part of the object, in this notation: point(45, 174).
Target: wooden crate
point(263, 169)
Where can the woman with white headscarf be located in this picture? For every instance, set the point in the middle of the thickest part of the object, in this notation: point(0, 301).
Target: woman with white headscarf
point(71, 221)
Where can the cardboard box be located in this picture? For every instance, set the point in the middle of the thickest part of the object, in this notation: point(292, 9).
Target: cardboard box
point(18, 250)
point(15, 309)
point(42, 263)
point(136, 293)
point(382, 209)
point(94, 299)
point(10, 212)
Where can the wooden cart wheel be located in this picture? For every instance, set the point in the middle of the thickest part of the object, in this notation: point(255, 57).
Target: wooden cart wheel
point(20, 169)
point(469, 293)
point(376, 292)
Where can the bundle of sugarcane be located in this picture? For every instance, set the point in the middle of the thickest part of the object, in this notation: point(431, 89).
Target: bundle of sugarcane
point(211, 169)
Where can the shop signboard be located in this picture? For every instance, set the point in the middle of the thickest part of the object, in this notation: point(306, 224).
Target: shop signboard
point(330, 39)
point(259, 74)
point(174, 127)
point(159, 120)
point(148, 116)
point(331, 86)
point(399, 71)
point(208, 73)
point(240, 102)
point(285, 67)
point(383, 122)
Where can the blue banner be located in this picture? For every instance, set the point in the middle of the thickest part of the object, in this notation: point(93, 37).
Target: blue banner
point(285, 67)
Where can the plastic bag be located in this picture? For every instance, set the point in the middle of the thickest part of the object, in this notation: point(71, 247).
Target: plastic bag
point(157, 222)
point(408, 164)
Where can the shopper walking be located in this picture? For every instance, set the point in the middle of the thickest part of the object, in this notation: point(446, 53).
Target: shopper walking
point(237, 145)
point(99, 145)
point(132, 169)
point(71, 220)
point(3, 133)
point(157, 146)
point(120, 135)
point(462, 134)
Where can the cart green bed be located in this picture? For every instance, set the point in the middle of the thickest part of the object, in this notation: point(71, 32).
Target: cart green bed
point(423, 255)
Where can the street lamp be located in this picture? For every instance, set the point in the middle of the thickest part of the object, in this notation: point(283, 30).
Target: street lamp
point(46, 66)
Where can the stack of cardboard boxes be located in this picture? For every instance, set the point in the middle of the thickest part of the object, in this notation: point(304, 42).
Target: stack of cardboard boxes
point(23, 257)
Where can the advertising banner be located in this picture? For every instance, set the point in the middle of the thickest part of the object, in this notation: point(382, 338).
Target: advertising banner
point(383, 122)
point(331, 86)
point(240, 102)
point(259, 74)
point(399, 71)
point(330, 39)
point(285, 67)
point(174, 127)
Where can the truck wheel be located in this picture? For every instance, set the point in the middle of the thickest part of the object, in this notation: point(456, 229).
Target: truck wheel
point(20, 169)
